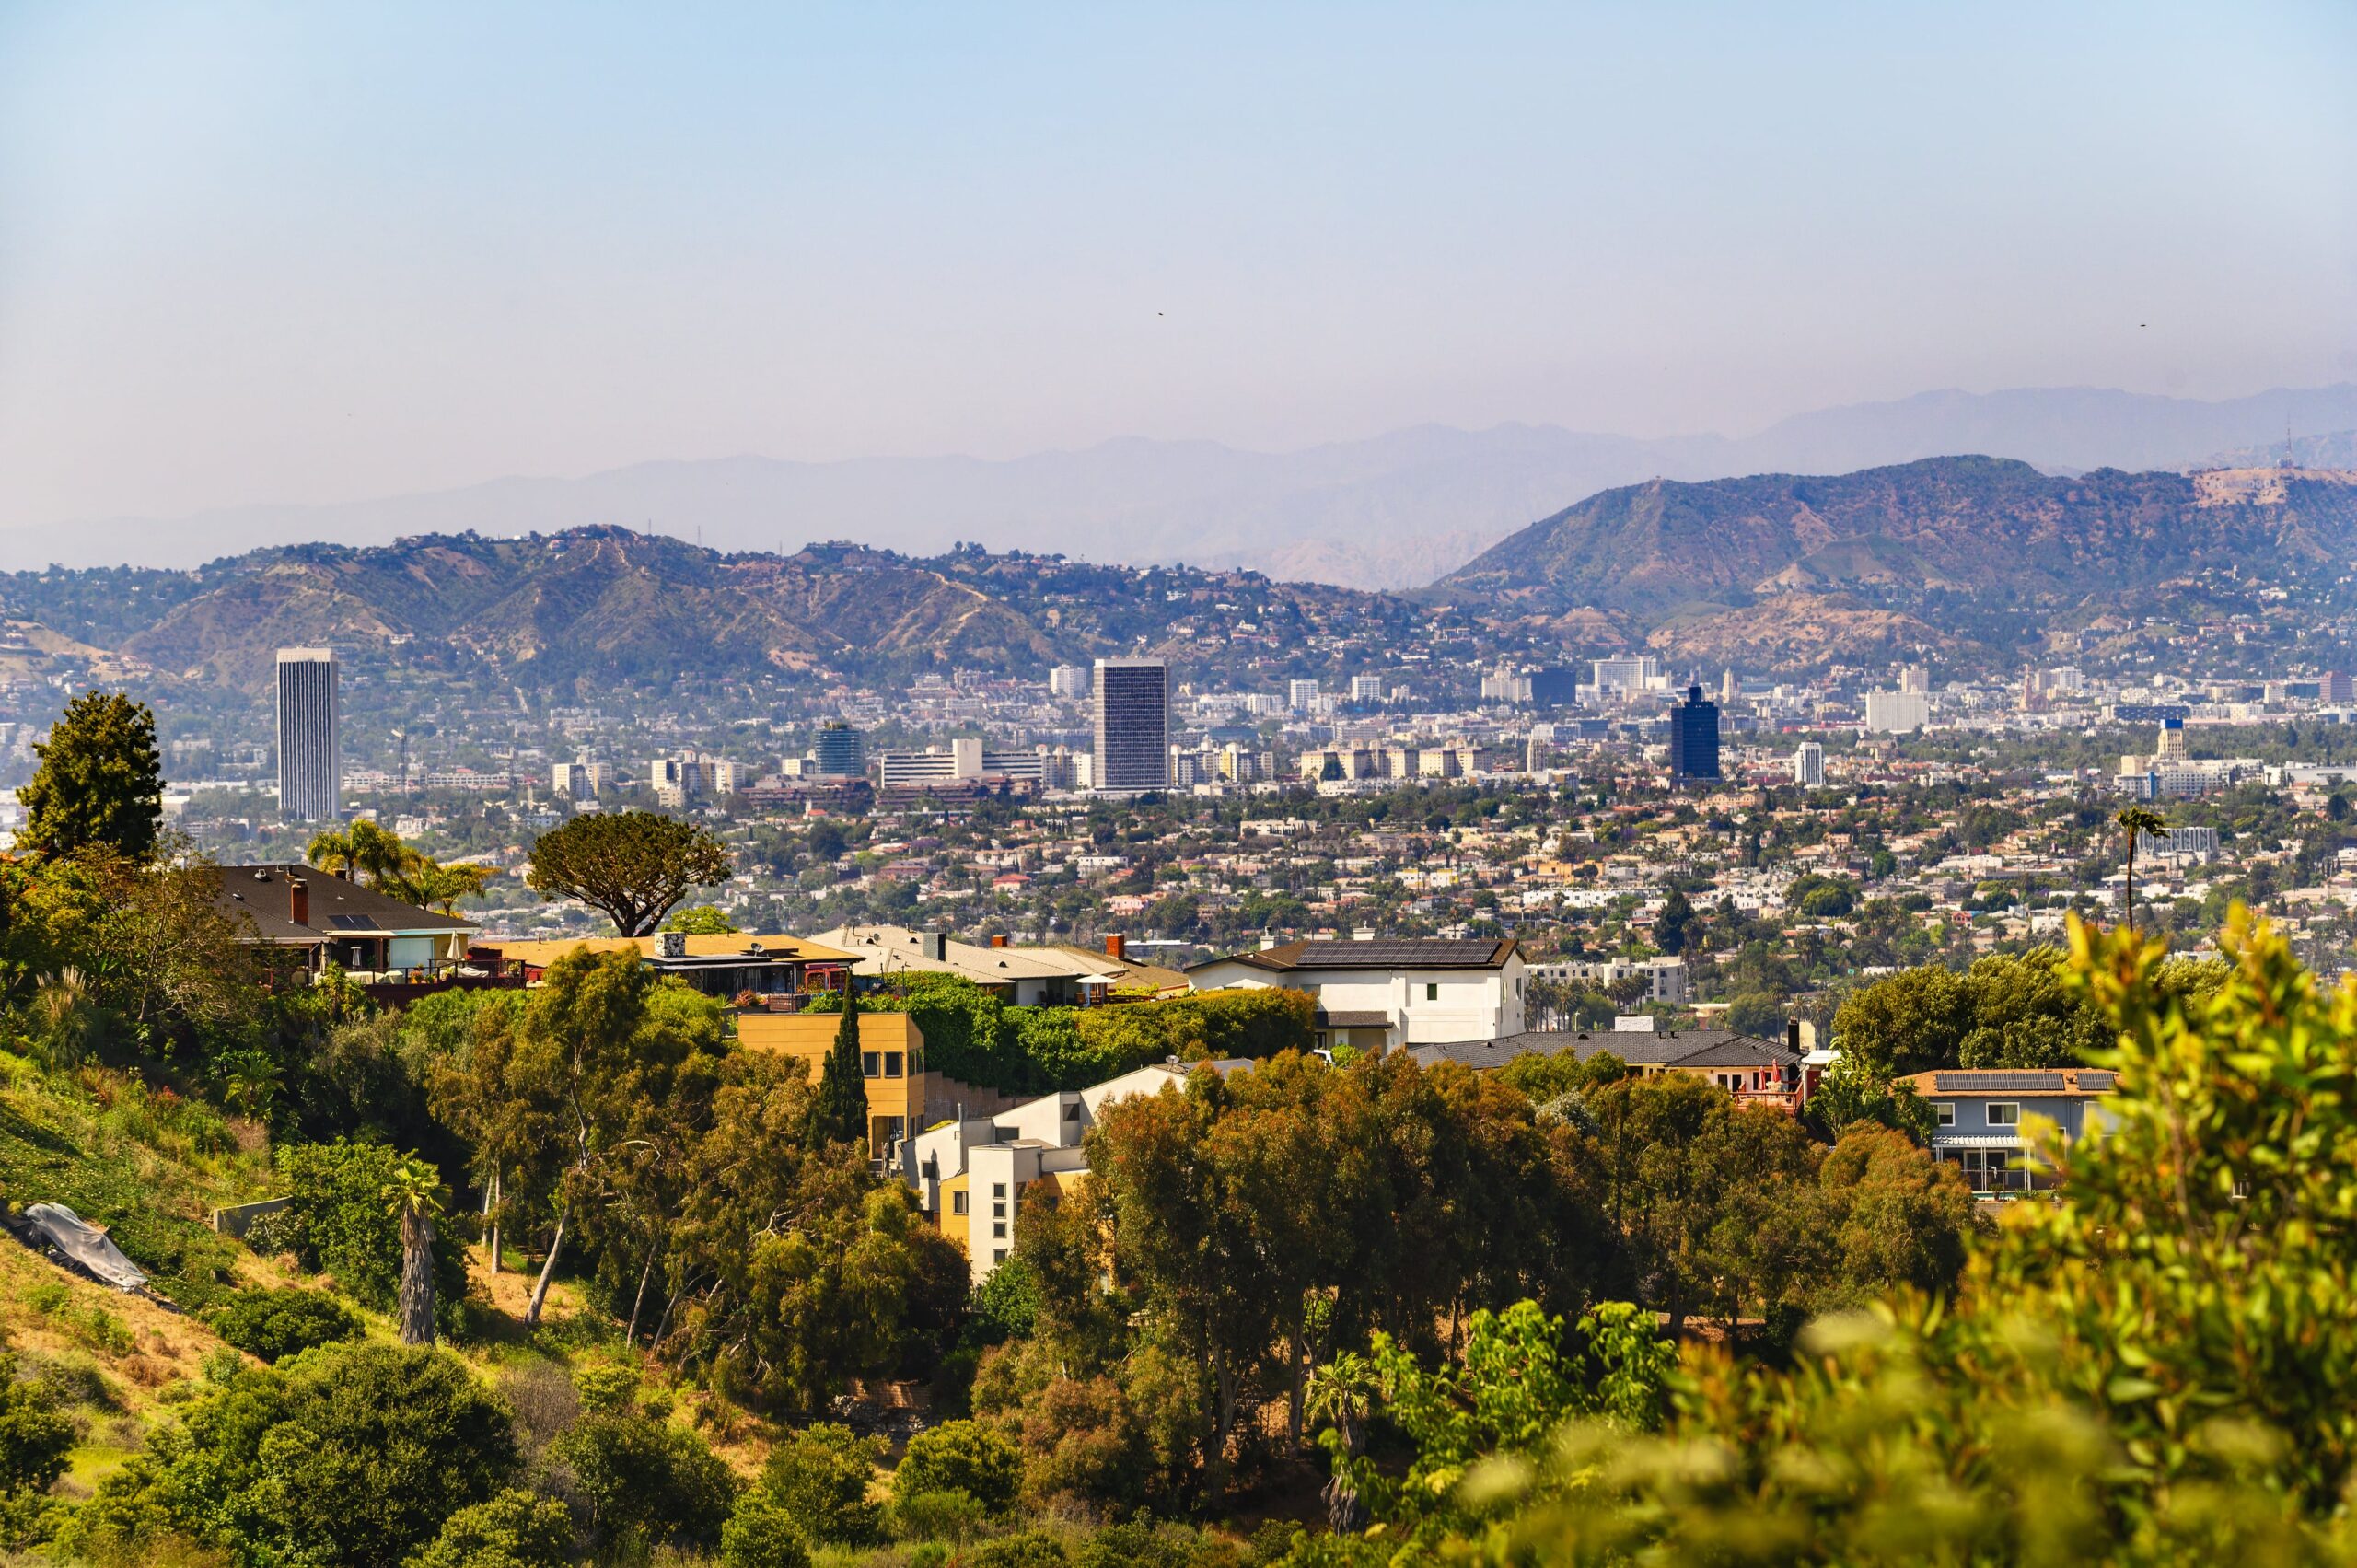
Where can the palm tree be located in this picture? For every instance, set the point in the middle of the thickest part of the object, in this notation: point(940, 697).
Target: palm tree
point(414, 1196)
point(1342, 1392)
point(2135, 820)
point(441, 886)
point(377, 855)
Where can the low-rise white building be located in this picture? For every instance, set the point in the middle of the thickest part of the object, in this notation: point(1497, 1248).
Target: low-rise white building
point(1378, 994)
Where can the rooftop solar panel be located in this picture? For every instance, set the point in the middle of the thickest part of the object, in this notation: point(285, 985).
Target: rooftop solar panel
point(2091, 1079)
point(1998, 1083)
point(1434, 953)
point(352, 922)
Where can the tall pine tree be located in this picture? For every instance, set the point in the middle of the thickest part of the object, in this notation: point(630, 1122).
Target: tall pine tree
point(100, 781)
point(839, 1115)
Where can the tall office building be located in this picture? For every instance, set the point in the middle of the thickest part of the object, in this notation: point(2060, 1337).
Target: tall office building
point(1693, 738)
point(1808, 765)
point(1133, 748)
point(1067, 680)
point(839, 752)
point(310, 771)
point(1300, 695)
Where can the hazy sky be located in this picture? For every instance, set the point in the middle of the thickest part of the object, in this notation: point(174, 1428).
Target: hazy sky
point(310, 251)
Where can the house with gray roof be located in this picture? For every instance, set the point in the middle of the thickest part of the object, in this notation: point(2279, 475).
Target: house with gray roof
point(318, 917)
point(1754, 1071)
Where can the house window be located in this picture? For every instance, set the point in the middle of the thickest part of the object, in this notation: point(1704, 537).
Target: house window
point(1432, 991)
point(2004, 1113)
point(998, 1228)
point(956, 1203)
point(1946, 1114)
point(870, 1063)
point(1072, 1112)
point(998, 1254)
point(891, 1063)
point(998, 1188)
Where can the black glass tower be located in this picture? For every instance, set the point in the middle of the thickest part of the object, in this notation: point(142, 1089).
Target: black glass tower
point(1693, 738)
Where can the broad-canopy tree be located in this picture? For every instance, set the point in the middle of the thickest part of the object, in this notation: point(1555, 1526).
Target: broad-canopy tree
point(2152, 1369)
point(631, 866)
point(100, 783)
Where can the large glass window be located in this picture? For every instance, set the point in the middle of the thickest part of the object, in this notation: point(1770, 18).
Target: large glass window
point(2004, 1113)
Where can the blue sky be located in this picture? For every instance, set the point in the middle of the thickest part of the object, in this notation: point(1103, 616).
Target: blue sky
point(256, 252)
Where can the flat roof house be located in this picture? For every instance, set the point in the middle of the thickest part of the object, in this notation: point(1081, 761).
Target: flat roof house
point(317, 918)
point(778, 970)
point(1980, 1118)
point(1379, 994)
point(1027, 976)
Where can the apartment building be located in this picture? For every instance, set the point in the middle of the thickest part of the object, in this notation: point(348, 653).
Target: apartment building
point(970, 1174)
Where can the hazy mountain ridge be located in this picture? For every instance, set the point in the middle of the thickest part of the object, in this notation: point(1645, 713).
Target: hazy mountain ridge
point(1393, 511)
point(608, 603)
point(1986, 528)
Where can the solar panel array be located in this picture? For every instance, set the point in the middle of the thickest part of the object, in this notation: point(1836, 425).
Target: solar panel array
point(352, 923)
point(1406, 954)
point(2091, 1079)
point(1998, 1083)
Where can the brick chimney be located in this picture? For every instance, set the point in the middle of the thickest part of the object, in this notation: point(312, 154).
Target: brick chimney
point(298, 901)
point(1117, 946)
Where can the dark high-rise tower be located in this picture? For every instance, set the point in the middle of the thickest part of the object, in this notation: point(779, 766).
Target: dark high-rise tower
point(310, 771)
point(1133, 723)
point(1693, 738)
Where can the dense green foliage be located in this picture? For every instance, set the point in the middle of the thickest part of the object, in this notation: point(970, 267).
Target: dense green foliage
point(276, 1324)
point(514, 1529)
point(838, 1110)
point(2146, 1371)
point(100, 783)
point(35, 1437)
point(355, 1454)
point(819, 1476)
point(971, 1036)
point(342, 1222)
point(961, 1456)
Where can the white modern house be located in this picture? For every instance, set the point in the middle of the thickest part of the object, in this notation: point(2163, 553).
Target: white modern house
point(968, 1176)
point(1384, 994)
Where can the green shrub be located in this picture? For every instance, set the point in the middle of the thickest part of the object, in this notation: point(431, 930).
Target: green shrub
point(514, 1529)
point(821, 1477)
point(1033, 1549)
point(275, 1324)
point(347, 1228)
point(938, 1516)
point(607, 1390)
point(34, 1435)
point(961, 1456)
point(276, 1234)
point(760, 1533)
point(355, 1454)
point(639, 1476)
point(48, 1297)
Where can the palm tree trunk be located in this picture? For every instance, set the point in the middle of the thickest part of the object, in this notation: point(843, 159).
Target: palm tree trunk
point(2131, 882)
point(548, 1269)
point(417, 1278)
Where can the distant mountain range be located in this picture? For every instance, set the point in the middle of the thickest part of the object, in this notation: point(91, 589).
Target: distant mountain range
point(1391, 512)
point(1776, 568)
point(595, 606)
